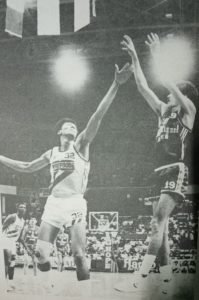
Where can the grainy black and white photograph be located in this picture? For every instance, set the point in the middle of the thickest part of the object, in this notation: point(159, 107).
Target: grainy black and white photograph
point(99, 144)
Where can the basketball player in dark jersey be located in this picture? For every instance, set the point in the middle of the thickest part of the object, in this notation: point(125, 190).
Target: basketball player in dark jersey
point(175, 123)
point(69, 166)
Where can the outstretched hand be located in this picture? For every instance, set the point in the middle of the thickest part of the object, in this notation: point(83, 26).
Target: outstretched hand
point(128, 46)
point(153, 42)
point(123, 74)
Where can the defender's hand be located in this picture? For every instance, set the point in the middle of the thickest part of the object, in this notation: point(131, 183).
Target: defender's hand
point(127, 45)
point(121, 76)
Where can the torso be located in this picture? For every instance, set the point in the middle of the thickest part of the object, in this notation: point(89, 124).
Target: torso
point(75, 168)
point(14, 230)
point(172, 138)
point(61, 241)
point(31, 235)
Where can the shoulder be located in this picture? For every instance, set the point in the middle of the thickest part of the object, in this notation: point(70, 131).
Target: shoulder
point(190, 107)
point(187, 119)
point(82, 151)
point(11, 218)
point(48, 154)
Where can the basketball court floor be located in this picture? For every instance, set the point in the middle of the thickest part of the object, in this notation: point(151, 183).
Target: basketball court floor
point(101, 287)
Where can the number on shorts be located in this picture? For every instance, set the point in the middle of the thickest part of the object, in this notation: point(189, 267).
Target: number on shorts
point(170, 185)
point(77, 218)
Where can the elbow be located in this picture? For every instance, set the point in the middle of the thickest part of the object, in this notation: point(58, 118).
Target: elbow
point(27, 168)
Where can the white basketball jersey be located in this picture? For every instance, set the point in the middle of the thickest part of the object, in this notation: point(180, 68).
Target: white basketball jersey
point(14, 230)
point(75, 169)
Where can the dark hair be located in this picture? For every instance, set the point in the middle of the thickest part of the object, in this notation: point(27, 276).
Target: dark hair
point(59, 124)
point(189, 89)
point(21, 203)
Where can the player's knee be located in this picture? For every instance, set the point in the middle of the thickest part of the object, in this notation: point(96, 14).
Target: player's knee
point(166, 233)
point(154, 226)
point(42, 251)
point(78, 252)
point(78, 248)
point(13, 257)
point(12, 261)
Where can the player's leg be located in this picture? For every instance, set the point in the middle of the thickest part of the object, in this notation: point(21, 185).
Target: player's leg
point(46, 237)
point(164, 208)
point(25, 266)
point(12, 259)
point(78, 245)
point(165, 263)
point(7, 260)
point(11, 267)
point(164, 257)
point(164, 251)
point(62, 262)
point(59, 261)
point(34, 263)
point(9, 270)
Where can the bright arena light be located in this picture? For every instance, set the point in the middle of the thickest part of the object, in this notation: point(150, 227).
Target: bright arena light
point(70, 70)
point(175, 60)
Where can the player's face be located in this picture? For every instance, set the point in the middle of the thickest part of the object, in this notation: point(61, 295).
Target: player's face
point(69, 129)
point(21, 210)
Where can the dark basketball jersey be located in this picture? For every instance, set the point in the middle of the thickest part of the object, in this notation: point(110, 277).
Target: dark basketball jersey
point(31, 236)
point(171, 139)
point(61, 242)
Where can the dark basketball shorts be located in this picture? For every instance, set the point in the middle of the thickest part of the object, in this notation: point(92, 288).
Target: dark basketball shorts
point(62, 252)
point(172, 179)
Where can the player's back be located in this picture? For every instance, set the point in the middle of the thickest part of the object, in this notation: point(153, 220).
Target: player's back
point(171, 139)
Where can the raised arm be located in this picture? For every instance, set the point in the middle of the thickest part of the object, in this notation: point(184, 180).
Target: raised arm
point(142, 85)
point(89, 133)
point(26, 167)
point(187, 105)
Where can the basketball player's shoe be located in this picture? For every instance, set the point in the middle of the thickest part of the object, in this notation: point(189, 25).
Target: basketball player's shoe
point(166, 279)
point(10, 286)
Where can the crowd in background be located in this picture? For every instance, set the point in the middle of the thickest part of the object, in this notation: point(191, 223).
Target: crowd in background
point(130, 242)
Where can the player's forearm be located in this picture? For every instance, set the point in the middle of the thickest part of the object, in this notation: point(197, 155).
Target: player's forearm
point(140, 78)
point(16, 165)
point(95, 120)
point(106, 101)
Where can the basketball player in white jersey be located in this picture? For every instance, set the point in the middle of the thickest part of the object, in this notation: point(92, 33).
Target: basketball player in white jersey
point(12, 228)
point(175, 123)
point(69, 167)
